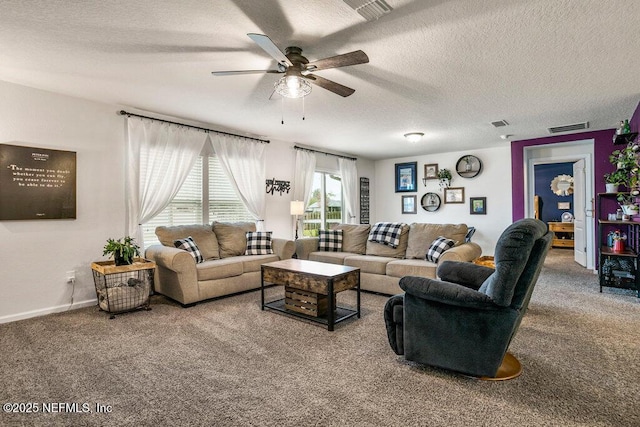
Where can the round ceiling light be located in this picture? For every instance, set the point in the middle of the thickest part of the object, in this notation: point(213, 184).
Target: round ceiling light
point(414, 136)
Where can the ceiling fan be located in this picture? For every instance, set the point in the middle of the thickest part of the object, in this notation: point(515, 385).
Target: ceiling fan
point(297, 69)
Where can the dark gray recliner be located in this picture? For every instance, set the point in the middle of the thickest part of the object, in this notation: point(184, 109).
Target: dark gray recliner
point(466, 321)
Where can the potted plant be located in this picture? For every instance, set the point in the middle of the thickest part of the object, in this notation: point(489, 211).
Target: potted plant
point(444, 175)
point(626, 173)
point(123, 250)
point(614, 179)
point(628, 203)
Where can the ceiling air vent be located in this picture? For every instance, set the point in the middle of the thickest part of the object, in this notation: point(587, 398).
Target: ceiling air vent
point(569, 128)
point(500, 123)
point(370, 9)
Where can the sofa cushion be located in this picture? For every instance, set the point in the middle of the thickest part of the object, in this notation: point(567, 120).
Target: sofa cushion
point(329, 257)
point(258, 243)
point(368, 263)
point(330, 240)
point(379, 249)
point(232, 237)
point(190, 246)
point(252, 263)
point(219, 268)
point(438, 247)
point(354, 237)
point(411, 267)
point(202, 235)
point(421, 236)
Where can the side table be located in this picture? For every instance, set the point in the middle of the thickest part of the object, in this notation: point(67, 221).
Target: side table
point(562, 234)
point(122, 288)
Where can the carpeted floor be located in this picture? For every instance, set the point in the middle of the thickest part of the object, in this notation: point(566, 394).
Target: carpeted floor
point(226, 362)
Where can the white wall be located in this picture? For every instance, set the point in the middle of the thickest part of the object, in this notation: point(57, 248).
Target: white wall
point(494, 183)
point(35, 255)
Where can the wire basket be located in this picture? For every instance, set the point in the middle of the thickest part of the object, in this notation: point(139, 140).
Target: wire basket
point(123, 288)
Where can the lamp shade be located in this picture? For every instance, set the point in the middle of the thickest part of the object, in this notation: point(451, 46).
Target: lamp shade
point(297, 207)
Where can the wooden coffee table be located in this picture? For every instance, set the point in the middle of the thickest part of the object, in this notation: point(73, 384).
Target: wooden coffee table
point(310, 289)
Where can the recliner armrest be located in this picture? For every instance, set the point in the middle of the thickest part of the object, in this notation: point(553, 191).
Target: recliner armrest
point(446, 293)
point(466, 274)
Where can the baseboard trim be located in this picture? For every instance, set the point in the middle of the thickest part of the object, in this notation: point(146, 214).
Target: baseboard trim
point(48, 310)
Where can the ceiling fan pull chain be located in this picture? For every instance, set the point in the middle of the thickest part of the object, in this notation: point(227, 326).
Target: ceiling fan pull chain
point(282, 110)
point(303, 107)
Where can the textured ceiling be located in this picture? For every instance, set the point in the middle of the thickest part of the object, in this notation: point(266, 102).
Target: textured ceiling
point(445, 68)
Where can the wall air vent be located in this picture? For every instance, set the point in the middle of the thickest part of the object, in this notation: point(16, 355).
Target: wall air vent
point(569, 128)
point(370, 9)
point(500, 123)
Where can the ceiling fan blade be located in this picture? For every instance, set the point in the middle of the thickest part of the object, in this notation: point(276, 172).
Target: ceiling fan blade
point(233, 73)
point(330, 85)
point(351, 58)
point(270, 47)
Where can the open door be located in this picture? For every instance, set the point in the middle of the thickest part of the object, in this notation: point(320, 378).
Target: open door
point(579, 213)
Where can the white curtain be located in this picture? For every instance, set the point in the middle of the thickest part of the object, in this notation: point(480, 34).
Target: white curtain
point(303, 175)
point(244, 163)
point(349, 175)
point(159, 158)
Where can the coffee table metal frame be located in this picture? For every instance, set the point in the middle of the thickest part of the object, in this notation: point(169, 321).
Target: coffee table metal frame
point(325, 274)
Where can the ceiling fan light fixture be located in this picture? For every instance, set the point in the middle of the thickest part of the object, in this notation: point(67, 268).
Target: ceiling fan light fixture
point(292, 87)
point(413, 137)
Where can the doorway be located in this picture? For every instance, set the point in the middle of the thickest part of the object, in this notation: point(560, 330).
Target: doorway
point(569, 154)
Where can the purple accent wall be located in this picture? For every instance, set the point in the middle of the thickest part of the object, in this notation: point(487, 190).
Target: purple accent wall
point(603, 146)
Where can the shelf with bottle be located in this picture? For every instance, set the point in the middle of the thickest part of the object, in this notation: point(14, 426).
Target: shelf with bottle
point(623, 134)
point(624, 138)
point(606, 250)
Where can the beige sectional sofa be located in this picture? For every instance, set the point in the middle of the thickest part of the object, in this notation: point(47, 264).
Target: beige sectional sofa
point(225, 269)
point(382, 266)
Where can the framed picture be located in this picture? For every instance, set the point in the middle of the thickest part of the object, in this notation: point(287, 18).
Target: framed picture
point(37, 183)
point(431, 171)
point(409, 205)
point(564, 205)
point(406, 177)
point(454, 195)
point(478, 205)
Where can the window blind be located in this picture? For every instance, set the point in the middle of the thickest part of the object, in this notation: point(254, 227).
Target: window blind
point(188, 208)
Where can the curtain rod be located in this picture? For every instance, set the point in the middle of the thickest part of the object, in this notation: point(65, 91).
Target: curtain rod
point(126, 113)
point(325, 153)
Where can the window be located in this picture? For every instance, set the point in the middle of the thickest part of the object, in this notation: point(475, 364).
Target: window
point(326, 204)
point(206, 178)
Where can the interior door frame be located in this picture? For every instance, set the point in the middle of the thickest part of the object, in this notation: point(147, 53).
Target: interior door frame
point(567, 152)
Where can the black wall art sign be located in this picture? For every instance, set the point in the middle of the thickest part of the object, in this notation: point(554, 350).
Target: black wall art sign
point(37, 183)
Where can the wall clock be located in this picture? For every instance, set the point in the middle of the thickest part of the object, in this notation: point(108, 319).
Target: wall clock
point(430, 202)
point(468, 166)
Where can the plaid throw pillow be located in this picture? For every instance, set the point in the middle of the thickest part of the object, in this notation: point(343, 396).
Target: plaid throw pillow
point(190, 246)
point(387, 233)
point(330, 240)
point(258, 243)
point(438, 247)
